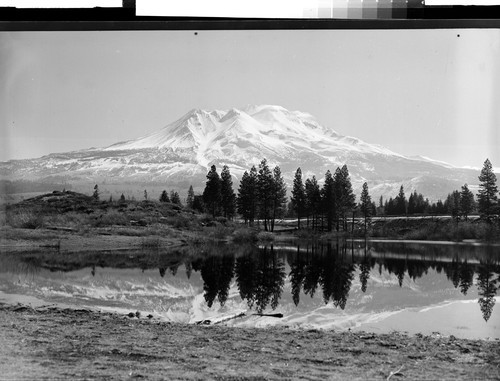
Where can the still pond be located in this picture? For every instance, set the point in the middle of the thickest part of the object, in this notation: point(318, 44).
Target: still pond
point(375, 286)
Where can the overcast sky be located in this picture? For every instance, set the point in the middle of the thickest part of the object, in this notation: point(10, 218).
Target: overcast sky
point(434, 93)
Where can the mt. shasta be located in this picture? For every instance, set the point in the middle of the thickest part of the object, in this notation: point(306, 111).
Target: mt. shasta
point(181, 153)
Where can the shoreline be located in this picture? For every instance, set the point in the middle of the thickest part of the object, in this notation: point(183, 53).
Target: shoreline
point(106, 240)
point(61, 343)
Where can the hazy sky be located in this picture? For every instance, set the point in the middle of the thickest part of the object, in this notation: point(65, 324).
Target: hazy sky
point(417, 92)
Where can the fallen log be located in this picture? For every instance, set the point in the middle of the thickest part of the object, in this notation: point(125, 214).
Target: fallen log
point(62, 228)
point(270, 315)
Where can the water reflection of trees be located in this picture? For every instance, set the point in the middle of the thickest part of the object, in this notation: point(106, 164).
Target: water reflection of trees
point(487, 288)
point(326, 268)
point(217, 272)
point(260, 278)
point(330, 268)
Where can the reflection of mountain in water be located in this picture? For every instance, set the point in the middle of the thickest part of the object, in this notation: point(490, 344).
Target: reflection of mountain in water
point(330, 268)
point(325, 270)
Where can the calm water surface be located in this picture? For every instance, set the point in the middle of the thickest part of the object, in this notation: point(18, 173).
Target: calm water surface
point(371, 286)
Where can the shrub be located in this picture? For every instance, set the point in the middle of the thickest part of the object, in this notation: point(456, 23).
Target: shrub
point(178, 221)
point(265, 236)
point(113, 217)
point(244, 235)
point(217, 232)
point(221, 220)
point(24, 218)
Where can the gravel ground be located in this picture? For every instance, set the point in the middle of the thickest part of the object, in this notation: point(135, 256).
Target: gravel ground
point(56, 343)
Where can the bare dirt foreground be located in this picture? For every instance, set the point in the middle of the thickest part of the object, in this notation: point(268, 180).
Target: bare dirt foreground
point(55, 343)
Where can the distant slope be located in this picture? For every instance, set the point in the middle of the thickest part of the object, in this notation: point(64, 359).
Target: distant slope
point(181, 153)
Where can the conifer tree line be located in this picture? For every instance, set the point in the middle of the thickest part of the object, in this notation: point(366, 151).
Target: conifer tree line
point(459, 204)
point(218, 197)
point(262, 197)
point(327, 207)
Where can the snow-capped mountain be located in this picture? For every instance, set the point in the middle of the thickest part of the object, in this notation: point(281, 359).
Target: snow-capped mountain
point(181, 153)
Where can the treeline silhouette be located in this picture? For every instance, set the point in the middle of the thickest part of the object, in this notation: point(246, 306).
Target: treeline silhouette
point(262, 196)
point(329, 269)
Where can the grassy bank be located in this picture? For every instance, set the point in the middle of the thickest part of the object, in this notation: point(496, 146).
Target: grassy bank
point(52, 219)
point(436, 230)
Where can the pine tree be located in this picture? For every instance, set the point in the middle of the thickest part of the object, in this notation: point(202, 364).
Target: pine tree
point(466, 201)
point(96, 193)
point(412, 203)
point(265, 196)
point(452, 204)
point(212, 194)
point(344, 194)
point(164, 197)
point(228, 198)
point(145, 194)
point(389, 206)
point(246, 201)
point(313, 199)
point(487, 194)
point(279, 196)
point(175, 198)
point(190, 197)
point(328, 199)
point(440, 208)
point(122, 198)
point(298, 195)
point(400, 202)
point(366, 206)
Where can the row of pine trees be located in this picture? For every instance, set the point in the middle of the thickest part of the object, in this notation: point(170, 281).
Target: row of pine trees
point(262, 196)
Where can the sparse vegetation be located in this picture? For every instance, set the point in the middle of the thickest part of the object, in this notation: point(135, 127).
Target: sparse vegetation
point(326, 212)
point(264, 236)
point(244, 235)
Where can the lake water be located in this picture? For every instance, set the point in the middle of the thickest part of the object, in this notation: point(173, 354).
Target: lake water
point(375, 286)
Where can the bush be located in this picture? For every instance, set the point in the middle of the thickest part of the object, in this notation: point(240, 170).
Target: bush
point(113, 217)
point(217, 232)
point(24, 218)
point(265, 236)
point(244, 235)
point(221, 220)
point(177, 222)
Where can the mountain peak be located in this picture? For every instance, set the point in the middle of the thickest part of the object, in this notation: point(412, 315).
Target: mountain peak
point(183, 150)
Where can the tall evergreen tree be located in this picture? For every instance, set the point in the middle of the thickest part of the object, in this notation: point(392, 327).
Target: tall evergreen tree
point(298, 195)
point(96, 193)
point(453, 204)
point(466, 201)
point(228, 198)
point(175, 198)
point(265, 193)
point(487, 195)
point(412, 203)
point(366, 206)
point(190, 197)
point(313, 200)
point(344, 194)
point(246, 201)
point(164, 197)
point(279, 196)
point(212, 192)
point(400, 202)
point(328, 199)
